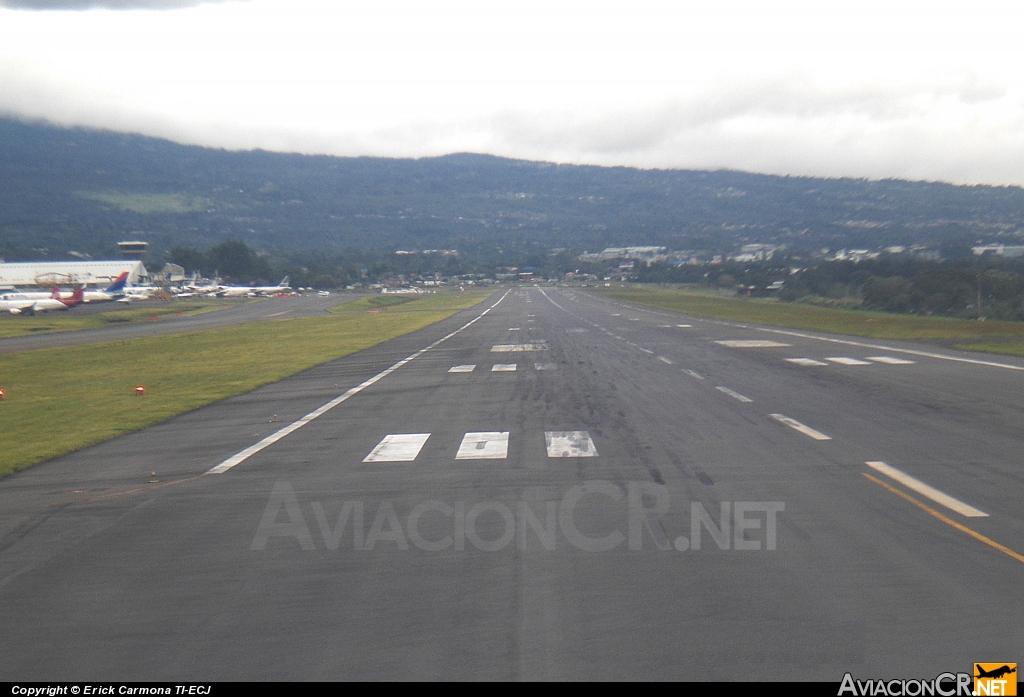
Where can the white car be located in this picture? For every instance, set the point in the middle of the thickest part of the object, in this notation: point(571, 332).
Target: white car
point(324, 293)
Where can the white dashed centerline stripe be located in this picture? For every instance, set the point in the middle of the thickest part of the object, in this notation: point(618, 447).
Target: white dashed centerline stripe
point(484, 445)
point(796, 425)
point(664, 360)
point(685, 326)
point(244, 455)
point(932, 493)
point(462, 368)
point(398, 447)
point(890, 360)
point(735, 395)
point(569, 444)
point(693, 373)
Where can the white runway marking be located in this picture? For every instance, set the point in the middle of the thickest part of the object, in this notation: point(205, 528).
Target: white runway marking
point(890, 360)
point(616, 314)
point(734, 395)
point(925, 490)
point(484, 445)
point(685, 326)
point(513, 329)
point(806, 361)
point(546, 366)
point(806, 430)
point(693, 374)
point(462, 368)
point(634, 319)
point(398, 447)
point(578, 330)
point(503, 368)
point(664, 326)
point(569, 444)
point(647, 351)
point(664, 360)
point(516, 348)
point(751, 343)
point(846, 360)
point(244, 455)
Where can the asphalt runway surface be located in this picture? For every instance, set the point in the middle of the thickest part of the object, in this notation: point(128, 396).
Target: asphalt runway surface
point(237, 312)
point(547, 486)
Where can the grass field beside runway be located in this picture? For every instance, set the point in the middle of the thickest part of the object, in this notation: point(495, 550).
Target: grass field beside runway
point(63, 399)
point(50, 322)
point(996, 337)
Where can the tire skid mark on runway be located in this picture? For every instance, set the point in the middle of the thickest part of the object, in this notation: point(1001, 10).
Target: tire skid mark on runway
point(244, 455)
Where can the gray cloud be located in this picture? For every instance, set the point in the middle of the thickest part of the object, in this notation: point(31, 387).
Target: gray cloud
point(79, 5)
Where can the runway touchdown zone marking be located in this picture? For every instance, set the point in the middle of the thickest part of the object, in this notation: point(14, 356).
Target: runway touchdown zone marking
point(462, 368)
point(484, 445)
point(569, 444)
point(398, 447)
point(503, 368)
point(846, 360)
point(807, 362)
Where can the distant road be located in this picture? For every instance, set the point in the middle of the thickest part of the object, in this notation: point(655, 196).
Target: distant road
point(548, 486)
point(241, 312)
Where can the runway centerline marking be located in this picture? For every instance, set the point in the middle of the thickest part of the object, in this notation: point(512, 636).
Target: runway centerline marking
point(398, 447)
point(484, 445)
point(693, 373)
point(732, 393)
point(927, 491)
point(462, 368)
point(569, 444)
point(244, 455)
point(664, 360)
point(797, 426)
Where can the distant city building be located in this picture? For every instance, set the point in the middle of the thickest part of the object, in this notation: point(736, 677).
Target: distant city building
point(999, 250)
point(46, 274)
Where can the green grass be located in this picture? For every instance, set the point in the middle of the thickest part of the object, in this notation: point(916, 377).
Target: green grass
point(50, 322)
point(60, 400)
point(147, 203)
point(1000, 337)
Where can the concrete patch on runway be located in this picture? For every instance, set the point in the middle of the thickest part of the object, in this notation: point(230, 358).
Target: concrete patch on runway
point(398, 447)
point(503, 368)
point(846, 360)
point(484, 445)
point(890, 360)
point(462, 368)
point(751, 343)
point(807, 362)
point(569, 444)
point(518, 348)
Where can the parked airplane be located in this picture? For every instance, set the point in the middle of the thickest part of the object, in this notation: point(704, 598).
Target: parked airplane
point(30, 306)
point(115, 291)
point(253, 291)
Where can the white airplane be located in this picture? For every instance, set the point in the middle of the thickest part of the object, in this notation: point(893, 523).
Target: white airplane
point(30, 306)
point(253, 291)
point(115, 291)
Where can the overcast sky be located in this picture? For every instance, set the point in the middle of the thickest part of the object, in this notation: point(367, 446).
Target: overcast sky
point(919, 90)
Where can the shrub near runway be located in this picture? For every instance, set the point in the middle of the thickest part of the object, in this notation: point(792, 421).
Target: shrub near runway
point(999, 337)
point(61, 400)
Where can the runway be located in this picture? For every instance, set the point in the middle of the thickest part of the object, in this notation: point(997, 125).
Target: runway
point(550, 485)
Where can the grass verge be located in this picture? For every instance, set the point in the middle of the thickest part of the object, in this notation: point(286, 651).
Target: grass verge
point(997, 337)
point(63, 399)
point(48, 323)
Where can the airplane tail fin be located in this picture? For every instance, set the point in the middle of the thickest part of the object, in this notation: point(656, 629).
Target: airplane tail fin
point(55, 294)
point(284, 282)
point(119, 283)
point(77, 297)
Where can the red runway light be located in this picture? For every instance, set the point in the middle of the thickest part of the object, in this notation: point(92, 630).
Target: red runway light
point(1, 393)
point(140, 390)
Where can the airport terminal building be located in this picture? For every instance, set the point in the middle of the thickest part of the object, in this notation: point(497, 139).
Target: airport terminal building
point(46, 274)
